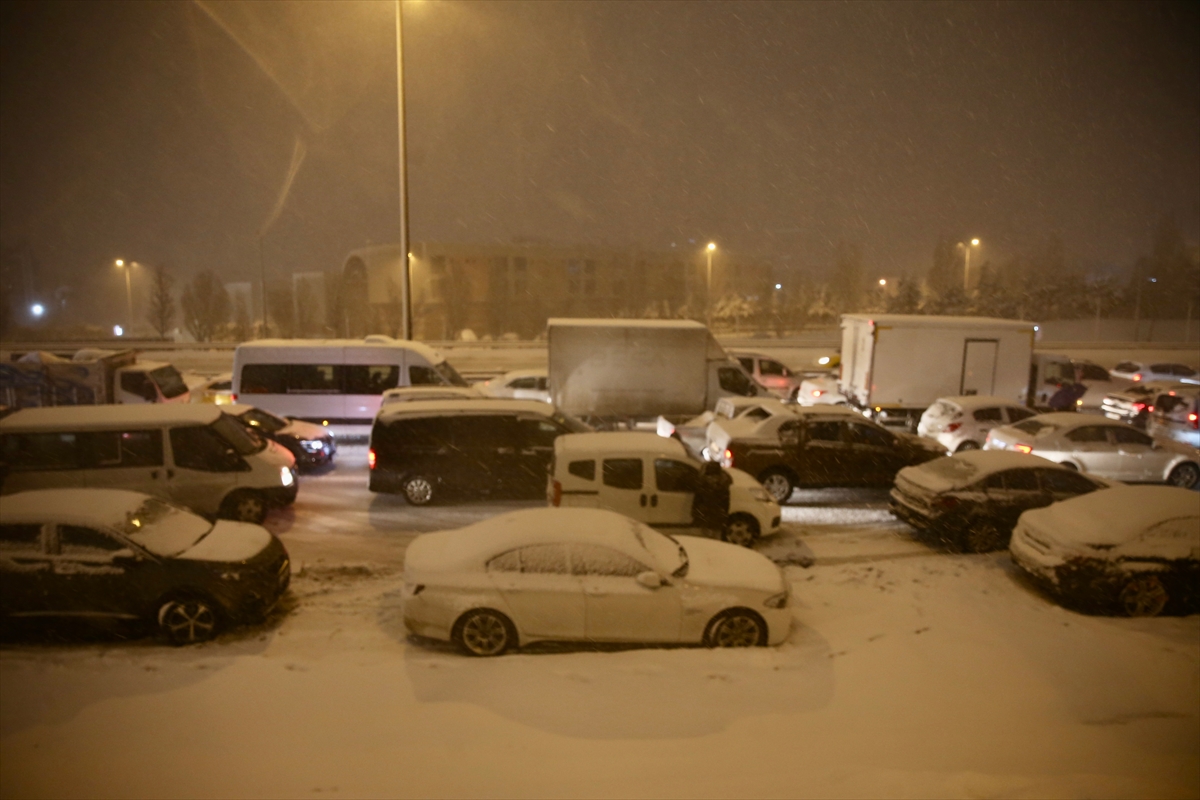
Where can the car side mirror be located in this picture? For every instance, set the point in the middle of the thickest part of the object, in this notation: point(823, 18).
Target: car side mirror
point(651, 580)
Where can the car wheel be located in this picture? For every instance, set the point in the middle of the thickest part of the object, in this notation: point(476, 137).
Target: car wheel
point(418, 490)
point(982, 537)
point(742, 529)
point(188, 620)
point(245, 506)
point(484, 632)
point(1144, 596)
point(967, 445)
point(778, 484)
point(1185, 476)
point(737, 627)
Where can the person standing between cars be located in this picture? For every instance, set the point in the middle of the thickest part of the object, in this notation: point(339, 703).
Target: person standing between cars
point(710, 507)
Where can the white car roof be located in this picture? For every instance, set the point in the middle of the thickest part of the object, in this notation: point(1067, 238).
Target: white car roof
point(433, 408)
point(424, 350)
point(608, 322)
point(769, 427)
point(971, 401)
point(1114, 516)
point(933, 321)
point(611, 442)
point(942, 475)
point(106, 416)
point(103, 507)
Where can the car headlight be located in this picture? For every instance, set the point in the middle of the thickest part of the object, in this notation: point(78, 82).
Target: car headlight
point(312, 445)
point(760, 494)
point(286, 477)
point(777, 600)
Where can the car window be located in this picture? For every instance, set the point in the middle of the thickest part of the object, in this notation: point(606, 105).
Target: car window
point(1036, 427)
point(825, 431)
point(862, 433)
point(313, 379)
point(623, 473)
point(735, 381)
point(40, 451)
point(264, 420)
point(506, 562)
point(371, 378)
point(594, 559)
point(1093, 372)
point(768, 367)
point(137, 383)
point(988, 415)
point(426, 434)
point(1131, 436)
point(1183, 370)
point(756, 412)
point(538, 432)
point(583, 469)
point(22, 537)
point(523, 383)
point(543, 559)
point(1017, 414)
point(789, 433)
point(1088, 434)
point(675, 476)
point(747, 364)
point(199, 447)
point(1021, 480)
point(127, 448)
point(424, 376)
point(76, 540)
point(264, 379)
point(483, 432)
point(1062, 480)
point(1127, 366)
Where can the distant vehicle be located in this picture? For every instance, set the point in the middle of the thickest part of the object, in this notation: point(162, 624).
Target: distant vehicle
point(436, 449)
point(193, 455)
point(90, 377)
point(311, 445)
point(654, 480)
point(1142, 372)
point(1176, 416)
point(694, 432)
point(821, 447)
point(338, 383)
point(217, 390)
point(971, 500)
point(734, 418)
point(408, 394)
point(1134, 404)
point(1132, 550)
point(521, 384)
point(1101, 447)
point(588, 575)
point(962, 423)
point(1049, 373)
point(105, 555)
point(770, 373)
point(820, 390)
point(894, 366)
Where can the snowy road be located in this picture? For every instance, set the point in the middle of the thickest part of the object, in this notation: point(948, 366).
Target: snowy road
point(908, 673)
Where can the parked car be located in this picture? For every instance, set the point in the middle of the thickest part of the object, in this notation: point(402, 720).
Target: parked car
point(694, 432)
point(1098, 381)
point(194, 455)
point(824, 447)
point(1176, 415)
point(217, 390)
point(312, 445)
point(584, 574)
point(1102, 447)
point(429, 449)
point(1135, 403)
point(1131, 550)
point(769, 373)
point(971, 500)
point(656, 481)
point(522, 384)
point(106, 555)
point(408, 394)
point(1140, 371)
point(821, 390)
point(962, 423)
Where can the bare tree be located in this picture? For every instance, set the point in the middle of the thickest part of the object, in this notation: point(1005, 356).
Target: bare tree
point(205, 306)
point(161, 315)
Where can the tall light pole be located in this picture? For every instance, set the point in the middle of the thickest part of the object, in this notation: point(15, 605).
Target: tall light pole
point(708, 251)
point(967, 263)
point(126, 268)
point(406, 323)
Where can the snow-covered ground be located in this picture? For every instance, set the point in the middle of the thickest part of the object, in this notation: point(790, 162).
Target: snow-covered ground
point(908, 673)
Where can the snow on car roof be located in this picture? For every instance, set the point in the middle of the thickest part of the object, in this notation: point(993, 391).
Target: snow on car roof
point(971, 401)
point(1114, 516)
point(605, 322)
point(466, 405)
point(58, 417)
point(619, 441)
point(107, 507)
point(923, 321)
point(961, 469)
point(428, 353)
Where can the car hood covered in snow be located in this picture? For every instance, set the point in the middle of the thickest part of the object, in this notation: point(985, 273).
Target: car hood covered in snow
point(1112, 517)
point(230, 542)
point(713, 563)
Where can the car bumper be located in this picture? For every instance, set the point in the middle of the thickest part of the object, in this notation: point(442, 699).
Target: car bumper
point(282, 495)
point(1034, 557)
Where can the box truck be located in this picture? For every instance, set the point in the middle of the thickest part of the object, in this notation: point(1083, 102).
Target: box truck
point(90, 377)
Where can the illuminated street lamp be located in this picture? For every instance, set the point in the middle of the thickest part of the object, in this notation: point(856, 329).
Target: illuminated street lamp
point(127, 268)
point(708, 251)
point(967, 262)
point(883, 281)
point(37, 309)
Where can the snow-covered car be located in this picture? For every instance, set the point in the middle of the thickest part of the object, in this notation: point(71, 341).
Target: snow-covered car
point(1131, 550)
point(962, 423)
point(112, 556)
point(1176, 415)
point(311, 444)
point(656, 481)
point(1101, 447)
point(769, 373)
point(821, 390)
point(1141, 371)
point(1135, 403)
point(970, 501)
point(409, 394)
point(217, 390)
point(739, 417)
point(588, 575)
point(521, 384)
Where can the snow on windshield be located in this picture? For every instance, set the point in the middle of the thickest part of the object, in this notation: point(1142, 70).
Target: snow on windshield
point(666, 551)
point(953, 470)
point(238, 435)
point(1035, 427)
point(164, 529)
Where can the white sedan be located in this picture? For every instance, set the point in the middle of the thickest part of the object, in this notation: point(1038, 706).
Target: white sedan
point(1102, 447)
point(522, 384)
point(579, 574)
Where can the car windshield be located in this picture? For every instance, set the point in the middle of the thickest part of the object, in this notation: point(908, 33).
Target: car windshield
point(953, 470)
point(664, 548)
point(243, 440)
point(264, 420)
point(1036, 427)
point(169, 381)
point(450, 374)
point(164, 529)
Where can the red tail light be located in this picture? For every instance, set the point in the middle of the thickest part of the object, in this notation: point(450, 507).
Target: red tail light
point(727, 459)
point(1139, 406)
point(816, 393)
point(1137, 376)
point(556, 498)
point(371, 458)
point(953, 426)
point(1194, 419)
point(1024, 448)
point(1150, 409)
point(234, 396)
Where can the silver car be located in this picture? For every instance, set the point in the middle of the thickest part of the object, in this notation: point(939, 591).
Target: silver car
point(1102, 447)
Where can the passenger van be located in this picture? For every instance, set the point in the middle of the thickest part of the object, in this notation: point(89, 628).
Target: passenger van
point(193, 455)
point(430, 449)
point(334, 382)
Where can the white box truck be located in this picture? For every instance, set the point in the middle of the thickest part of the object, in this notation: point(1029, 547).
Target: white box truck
point(90, 377)
point(621, 370)
point(894, 366)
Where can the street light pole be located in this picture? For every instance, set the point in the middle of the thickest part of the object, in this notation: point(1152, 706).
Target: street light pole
point(708, 251)
point(967, 263)
point(128, 293)
point(406, 323)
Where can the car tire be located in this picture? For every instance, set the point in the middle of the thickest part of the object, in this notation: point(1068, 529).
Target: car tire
point(778, 483)
point(1143, 596)
point(245, 505)
point(1185, 476)
point(483, 632)
point(740, 529)
point(982, 537)
point(967, 445)
point(188, 619)
point(418, 490)
point(736, 627)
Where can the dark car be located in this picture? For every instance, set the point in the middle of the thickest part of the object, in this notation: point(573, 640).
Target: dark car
point(430, 449)
point(970, 501)
point(824, 447)
point(112, 556)
point(311, 444)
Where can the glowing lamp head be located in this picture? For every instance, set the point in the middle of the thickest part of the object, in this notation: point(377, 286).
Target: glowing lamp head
point(120, 262)
point(711, 246)
point(975, 243)
point(823, 360)
point(37, 309)
point(118, 330)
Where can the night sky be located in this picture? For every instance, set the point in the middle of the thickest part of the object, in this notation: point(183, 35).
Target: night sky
point(165, 132)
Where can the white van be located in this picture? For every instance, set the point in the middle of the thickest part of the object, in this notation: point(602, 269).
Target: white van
point(334, 382)
point(193, 455)
point(654, 480)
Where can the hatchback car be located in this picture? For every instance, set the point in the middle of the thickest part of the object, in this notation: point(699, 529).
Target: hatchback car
point(1101, 447)
point(1140, 371)
point(962, 423)
point(311, 444)
point(1135, 403)
point(1131, 550)
point(107, 555)
point(1176, 415)
point(971, 500)
point(520, 384)
point(769, 373)
point(588, 575)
